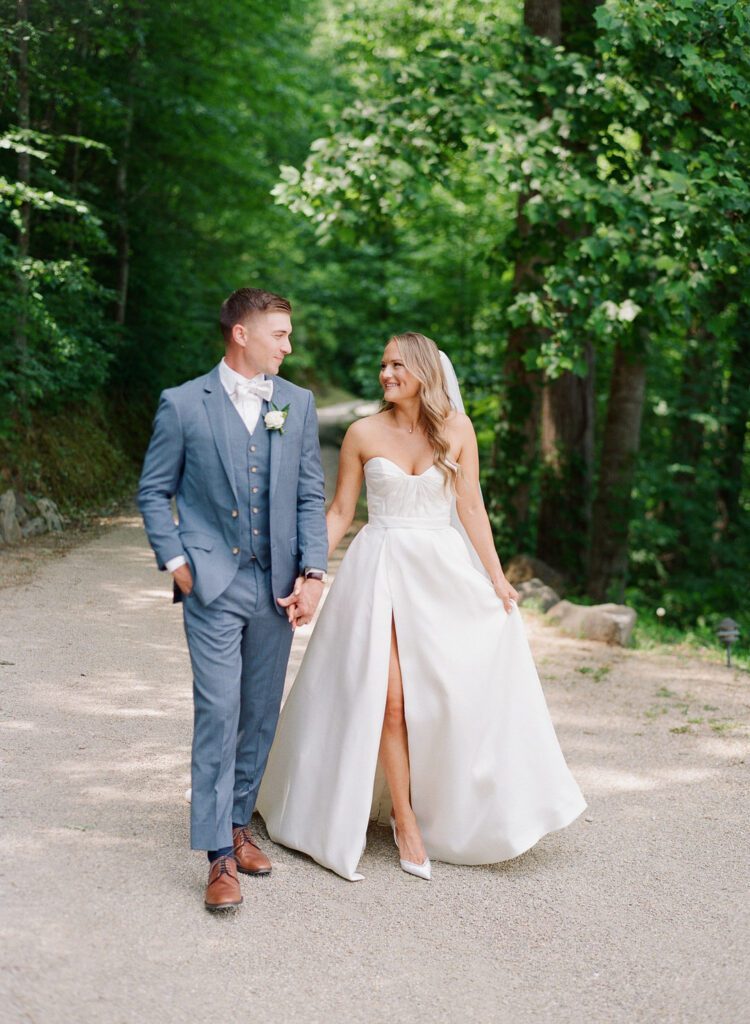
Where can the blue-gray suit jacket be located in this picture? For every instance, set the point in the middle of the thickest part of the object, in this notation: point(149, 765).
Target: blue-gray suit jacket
point(189, 459)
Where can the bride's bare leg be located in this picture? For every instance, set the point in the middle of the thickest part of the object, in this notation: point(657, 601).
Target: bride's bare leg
point(394, 757)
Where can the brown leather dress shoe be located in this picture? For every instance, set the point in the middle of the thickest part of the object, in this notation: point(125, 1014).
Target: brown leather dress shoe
point(250, 859)
point(223, 889)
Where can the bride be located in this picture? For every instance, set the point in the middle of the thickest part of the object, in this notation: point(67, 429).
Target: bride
point(419, 659)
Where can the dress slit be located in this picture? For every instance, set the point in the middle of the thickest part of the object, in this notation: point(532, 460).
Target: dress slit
point(487, 776)
point(382, 802)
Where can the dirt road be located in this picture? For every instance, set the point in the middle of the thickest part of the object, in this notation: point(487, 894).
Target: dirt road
point(636, 913)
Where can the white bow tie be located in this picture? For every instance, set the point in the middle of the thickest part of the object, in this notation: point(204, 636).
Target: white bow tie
point(263, 389)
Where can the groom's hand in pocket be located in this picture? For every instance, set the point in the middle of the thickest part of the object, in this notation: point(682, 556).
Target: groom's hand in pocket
point(184, 579)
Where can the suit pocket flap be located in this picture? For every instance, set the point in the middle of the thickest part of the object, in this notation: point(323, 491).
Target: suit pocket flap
point(194, 539)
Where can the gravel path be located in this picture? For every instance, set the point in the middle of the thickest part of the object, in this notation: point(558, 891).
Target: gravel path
point(636, 913)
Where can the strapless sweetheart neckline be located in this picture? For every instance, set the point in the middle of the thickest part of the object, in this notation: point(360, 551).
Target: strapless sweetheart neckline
point(383, 458)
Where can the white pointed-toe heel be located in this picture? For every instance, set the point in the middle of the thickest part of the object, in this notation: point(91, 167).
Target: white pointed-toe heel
point(423, 870)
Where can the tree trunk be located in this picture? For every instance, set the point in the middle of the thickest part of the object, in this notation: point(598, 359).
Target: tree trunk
point(74, 148)
point(521, 410)
point(123, 232)
point(567, 454)
point(567, 403)
point(520, 413)
point(622, 431)
point(543, 18)
point(121, 194)
point(24, 177)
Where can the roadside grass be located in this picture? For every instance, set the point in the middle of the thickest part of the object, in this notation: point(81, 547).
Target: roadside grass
point(692, 711)
point(700, 640)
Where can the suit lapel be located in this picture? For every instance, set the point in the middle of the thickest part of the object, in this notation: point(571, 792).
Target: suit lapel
point(216, 408)
point(280, 398)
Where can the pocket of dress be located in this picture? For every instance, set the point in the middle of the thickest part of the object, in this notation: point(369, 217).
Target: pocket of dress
point(195, 539)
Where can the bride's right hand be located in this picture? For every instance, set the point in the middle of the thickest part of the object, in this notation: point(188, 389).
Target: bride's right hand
point(505, 591)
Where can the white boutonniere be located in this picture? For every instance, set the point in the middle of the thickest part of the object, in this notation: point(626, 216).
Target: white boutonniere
point(275, 418)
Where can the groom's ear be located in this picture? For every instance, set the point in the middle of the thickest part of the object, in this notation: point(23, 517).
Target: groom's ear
point(239, 335)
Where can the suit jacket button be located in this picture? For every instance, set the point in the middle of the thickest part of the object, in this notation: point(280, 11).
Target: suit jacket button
point(256, 532)
point(235, 513)
point(253, 469)
point(252, 447)
point(235, 551)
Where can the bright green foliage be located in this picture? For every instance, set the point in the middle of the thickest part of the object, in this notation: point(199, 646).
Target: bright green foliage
point(201, 85)
point(156, 131)
point(631, 161)
point(67, 354)
point(369, 159)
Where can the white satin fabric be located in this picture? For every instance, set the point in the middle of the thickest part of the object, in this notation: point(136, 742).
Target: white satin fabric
point(488, 778)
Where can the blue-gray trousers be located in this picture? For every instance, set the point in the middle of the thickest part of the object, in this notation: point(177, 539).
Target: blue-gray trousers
point(239, 649)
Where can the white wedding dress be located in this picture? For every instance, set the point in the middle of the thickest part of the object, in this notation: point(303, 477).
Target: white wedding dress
point(488, 778)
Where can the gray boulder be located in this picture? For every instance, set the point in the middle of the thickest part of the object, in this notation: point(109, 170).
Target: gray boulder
point(33, 527)
point(525, 567)
point(22, 512)
point(537, 594)
point(10, 531)
point(50, 514)
point(610, 623)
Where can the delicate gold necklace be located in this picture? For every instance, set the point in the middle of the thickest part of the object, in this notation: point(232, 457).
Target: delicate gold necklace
point(409, 430)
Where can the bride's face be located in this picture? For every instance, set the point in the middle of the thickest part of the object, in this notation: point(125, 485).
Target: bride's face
point(397, 382)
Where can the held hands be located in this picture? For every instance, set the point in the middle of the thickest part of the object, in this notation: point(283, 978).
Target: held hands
point(302, 602)
point(505, 591)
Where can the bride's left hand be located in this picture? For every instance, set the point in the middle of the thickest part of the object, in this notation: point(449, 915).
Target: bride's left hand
point(307, 602)
point(505, 591)
point(301, 604)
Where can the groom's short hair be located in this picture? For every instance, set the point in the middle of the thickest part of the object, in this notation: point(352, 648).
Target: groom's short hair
point(241, 303)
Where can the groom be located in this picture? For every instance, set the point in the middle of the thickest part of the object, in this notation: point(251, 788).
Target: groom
point(238, 450)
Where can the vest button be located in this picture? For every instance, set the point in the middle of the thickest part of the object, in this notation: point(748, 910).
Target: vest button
point(235, 551)
point(255, 490)
point(256, 532)
point(235, 513)
point(255, 508)
point(253, 469)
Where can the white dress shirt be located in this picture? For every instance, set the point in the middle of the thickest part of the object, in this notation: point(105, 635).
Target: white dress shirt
point(248, 406)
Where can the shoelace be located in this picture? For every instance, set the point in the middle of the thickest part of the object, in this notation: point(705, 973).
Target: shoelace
point(244, 837)
point(223, 869)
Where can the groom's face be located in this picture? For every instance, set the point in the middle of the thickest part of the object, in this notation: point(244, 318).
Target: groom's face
point(266, 340)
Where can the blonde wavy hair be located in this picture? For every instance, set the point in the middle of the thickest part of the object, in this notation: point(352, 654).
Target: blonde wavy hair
point(421, 357)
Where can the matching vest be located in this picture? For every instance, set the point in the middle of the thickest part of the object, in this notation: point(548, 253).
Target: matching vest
point(251, 458)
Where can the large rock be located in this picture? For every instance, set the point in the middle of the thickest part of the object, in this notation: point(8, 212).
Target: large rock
point(525, 567)
point(22, 512)
point(33, 527)
point(537, 594)
point(49, 512)
point(10, 531)
point(610, 623)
